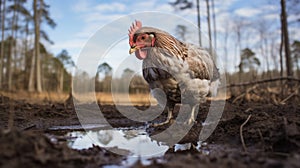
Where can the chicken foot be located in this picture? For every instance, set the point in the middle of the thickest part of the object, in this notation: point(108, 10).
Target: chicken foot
point(169, 118)
point(192, 119)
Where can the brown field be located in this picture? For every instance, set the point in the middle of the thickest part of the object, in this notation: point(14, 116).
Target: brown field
point(135, 99)
point(102, 98)
point(33, 97)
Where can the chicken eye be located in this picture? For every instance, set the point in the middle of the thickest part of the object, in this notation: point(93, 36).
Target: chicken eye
point(143, 37)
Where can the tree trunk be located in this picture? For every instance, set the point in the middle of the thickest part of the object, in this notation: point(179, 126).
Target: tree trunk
point(208, 26)
point(27, 57)
point(2, 41)
point(214, 23)
point(226, 34)
point(61, 79)
point(11, 49)
point(37, 46)
point(280, 53)
point(31, 87)
point(284, 24)
point(14, 82)
point(199, 22)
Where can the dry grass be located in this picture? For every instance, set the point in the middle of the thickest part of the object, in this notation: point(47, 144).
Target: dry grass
point(103, 98)
point(33, 97)
point(124, 99)
point(118, 98)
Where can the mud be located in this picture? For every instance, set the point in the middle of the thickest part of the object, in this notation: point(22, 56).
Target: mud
point(271, 136)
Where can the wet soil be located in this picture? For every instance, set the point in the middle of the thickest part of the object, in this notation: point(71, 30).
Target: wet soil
point(271, 137)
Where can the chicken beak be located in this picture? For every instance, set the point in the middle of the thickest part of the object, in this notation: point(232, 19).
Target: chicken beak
point(132, 49)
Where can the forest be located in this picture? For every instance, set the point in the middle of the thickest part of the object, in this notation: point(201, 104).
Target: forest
point(43, 122)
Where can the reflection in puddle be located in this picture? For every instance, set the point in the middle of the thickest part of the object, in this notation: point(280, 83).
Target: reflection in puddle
point(136, 141)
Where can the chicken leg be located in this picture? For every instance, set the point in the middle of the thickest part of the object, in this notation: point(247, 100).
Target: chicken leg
point(169, 118)
point(192, 119)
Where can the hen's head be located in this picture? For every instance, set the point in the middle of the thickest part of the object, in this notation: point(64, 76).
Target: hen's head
point(140, 40)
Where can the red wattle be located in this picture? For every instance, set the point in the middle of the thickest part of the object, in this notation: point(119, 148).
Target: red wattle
point(141, 54)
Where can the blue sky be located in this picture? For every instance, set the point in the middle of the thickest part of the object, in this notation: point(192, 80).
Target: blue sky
point(79, 20)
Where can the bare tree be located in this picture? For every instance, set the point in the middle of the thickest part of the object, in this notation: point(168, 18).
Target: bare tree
point(296, 55)
point(3, 10)
point(281, 53)
point(199, 22)
point(226, 35)
point(208, 26)
point(285, 33)
point(214, 22)
point(36, 44)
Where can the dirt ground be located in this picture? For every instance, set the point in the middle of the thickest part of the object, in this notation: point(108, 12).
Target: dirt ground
point(271, 137)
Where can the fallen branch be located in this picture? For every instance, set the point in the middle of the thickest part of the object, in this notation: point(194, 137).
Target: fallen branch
point(262, 81)
point(241, 133)
point(290, 96)
point(286, 99)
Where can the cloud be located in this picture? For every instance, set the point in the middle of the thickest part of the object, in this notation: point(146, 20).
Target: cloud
point(73, 46)
point(272, 16)
point(142, 5)
point(247, 12)
point(70, 44)
point(111, 7)
point(81, 6)
point(95, 17)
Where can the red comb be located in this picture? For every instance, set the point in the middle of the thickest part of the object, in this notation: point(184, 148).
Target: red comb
point(135, 26)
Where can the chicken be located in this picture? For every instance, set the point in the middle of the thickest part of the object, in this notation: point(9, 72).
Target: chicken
point(184, 72)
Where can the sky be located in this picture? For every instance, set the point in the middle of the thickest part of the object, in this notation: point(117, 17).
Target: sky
point(83, 22)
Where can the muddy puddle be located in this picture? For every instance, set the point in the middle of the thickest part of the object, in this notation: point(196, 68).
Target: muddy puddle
point(134, 143)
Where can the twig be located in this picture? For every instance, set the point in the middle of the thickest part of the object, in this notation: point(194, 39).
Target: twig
point(241, 133)
point(280, 154)
point(61, 114)
point(261, 136)
point(29, 127)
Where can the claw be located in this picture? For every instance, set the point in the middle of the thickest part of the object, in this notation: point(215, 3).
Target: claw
point(169, 119)
point(190, 121)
